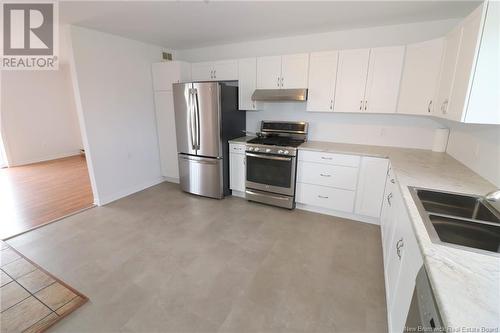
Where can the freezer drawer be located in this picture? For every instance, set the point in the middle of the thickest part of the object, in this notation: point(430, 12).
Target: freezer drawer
point(201, 175)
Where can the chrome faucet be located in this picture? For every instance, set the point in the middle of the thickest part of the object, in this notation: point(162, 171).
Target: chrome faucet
point(494, 199)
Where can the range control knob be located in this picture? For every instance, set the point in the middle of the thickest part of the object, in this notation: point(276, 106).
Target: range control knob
point(268, 150)
point(256, 149)
point(280, 151)
point(286, 152)
point(250, 148)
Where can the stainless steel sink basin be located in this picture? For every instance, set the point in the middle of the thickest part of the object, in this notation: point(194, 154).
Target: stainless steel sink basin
point(459, 220)
point(459, 205)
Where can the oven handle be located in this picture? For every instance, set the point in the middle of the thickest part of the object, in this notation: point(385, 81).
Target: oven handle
point(266, 195)
point(270, 157)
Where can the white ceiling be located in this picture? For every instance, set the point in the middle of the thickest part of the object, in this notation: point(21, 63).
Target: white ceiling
point(181, 25)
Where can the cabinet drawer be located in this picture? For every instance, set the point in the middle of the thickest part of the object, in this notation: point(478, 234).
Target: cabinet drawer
point(325, 197)
point(327, 175)
point(329, 158)
point(236, 148)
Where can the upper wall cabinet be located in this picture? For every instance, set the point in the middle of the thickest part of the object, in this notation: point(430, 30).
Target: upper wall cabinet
point(226, 70)
point(351, 80)
point(368, 80)
point(384, 77)
point(420, 77)
point(247, 83)
point(469, 84)
point(167, 73)
point(283, 72)
point(484, 106)
point(322, 79)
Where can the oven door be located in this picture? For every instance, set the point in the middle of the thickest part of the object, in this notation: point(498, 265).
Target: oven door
point(271, 173)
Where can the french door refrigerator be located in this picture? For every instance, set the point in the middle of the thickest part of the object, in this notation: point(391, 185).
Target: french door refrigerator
point(206, 117)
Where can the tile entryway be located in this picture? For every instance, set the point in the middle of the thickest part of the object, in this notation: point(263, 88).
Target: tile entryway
point(31, 300)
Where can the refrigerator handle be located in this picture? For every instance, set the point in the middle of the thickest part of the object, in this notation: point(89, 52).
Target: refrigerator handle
point(191, 119)
point(197, 105)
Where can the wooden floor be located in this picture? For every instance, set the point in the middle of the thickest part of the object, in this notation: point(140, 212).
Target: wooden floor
point(35, 194)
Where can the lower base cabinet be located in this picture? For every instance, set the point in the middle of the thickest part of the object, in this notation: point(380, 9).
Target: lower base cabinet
point(402, 258)
point(325, 197)
point(237, 167)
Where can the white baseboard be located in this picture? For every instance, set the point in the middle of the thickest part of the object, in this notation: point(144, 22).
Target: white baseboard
point(106, 199)
point(45, 158)
point(238, 194)
point(331, 212)
point(171, 180)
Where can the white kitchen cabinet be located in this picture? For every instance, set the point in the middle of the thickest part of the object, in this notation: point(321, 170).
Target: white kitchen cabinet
point(420, 77)
point(282, 72)
point(322, 79)
point(237, 168)
point(327, 175)
point(402, 257)
point(448, 64)
point(384, 78)
point(269, 72)
point(484, 104)
point(165, 122)
point(247, 83)
point(325, 197)
point(167, 73)
point(351, 80)
point(371, 186)
point(467, 51)
point(224, 70)
point(294, 71)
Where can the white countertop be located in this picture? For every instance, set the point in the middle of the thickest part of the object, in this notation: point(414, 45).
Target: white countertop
point(466, 284)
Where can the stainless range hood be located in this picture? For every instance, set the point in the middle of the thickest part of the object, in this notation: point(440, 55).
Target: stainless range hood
point(277, 95)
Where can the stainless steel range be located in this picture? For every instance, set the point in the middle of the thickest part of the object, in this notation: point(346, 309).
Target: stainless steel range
point(271, 161)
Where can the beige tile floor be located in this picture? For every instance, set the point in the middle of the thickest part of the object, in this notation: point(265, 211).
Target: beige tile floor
point(30, 299)
point(165, 261)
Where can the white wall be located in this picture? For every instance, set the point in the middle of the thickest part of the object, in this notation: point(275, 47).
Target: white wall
point(38, 113)
point(478, 147)
point(371, 129)
point(115, 103)
point(367, 37)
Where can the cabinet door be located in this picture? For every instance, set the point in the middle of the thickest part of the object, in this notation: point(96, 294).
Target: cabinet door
point(165, 122)
point(420, 77)
point(484, 101)
point(371, 185)
point(202, 71)
point(322, 79)
point(294, 71)
point(247, 83)
point(469, 45)
point(351, 80)
point(237, 174)
point(269, 72)
point(384, 78)
point(167, 73)
point(226, 70)
point(448, 65)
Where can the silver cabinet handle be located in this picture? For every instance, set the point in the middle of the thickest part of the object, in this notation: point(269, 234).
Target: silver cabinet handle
point(393, 181)
point(278, 83)
point(399, 245)
point(366, 104)
point(325, 158)
point(324, 175)
point(444, 106)
point(322, 197)
point(215, 73)
point(361, 105)
point(331, 104)
point(389, 197)
point(429, 106)
point(211, 74)
point(282, 82)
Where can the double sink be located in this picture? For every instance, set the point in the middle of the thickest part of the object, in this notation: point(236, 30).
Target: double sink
point(459, 220)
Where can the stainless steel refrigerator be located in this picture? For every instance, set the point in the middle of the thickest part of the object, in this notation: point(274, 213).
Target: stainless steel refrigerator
point(206, 117)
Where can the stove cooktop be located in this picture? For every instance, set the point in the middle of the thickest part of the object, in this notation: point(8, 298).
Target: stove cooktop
point(277, 141)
